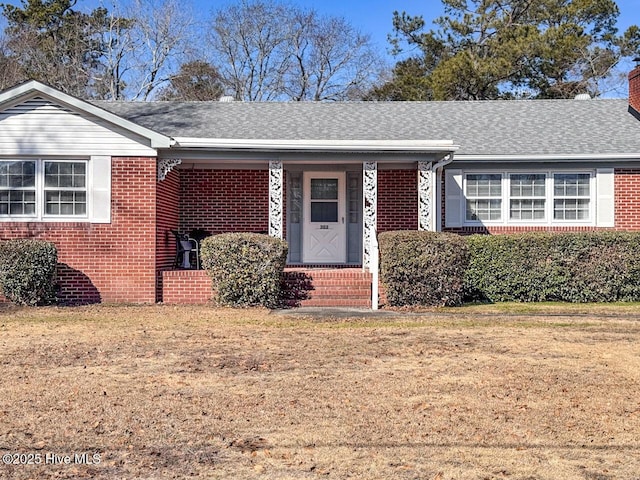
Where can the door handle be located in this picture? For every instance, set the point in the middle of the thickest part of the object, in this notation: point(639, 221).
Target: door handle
point(342, 219)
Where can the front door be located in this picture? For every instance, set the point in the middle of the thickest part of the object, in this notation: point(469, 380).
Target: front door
point(324, 231)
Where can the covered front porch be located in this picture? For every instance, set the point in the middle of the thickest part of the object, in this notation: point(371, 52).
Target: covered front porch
point(328, 206)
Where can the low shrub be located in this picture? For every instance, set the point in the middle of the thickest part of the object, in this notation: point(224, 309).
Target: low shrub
point(569, 267)
point(422, 268)
point(246, 268)
point(28, 271)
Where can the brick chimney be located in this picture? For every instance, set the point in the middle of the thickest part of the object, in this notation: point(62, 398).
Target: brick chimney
point(634, 88)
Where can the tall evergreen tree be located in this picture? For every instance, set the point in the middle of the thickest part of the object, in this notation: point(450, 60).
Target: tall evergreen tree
point(488, 49)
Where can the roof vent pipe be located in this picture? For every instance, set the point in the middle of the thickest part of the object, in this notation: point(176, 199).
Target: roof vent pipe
point(582, 96)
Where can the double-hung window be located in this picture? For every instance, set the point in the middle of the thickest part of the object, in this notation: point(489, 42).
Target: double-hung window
point(65, 188)
point(43, 189)
point(483, 193)
point(527, 192)
point(571, 196)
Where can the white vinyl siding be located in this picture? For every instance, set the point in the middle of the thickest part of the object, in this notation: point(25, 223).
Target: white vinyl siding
point(529, 198)
point(39, 127)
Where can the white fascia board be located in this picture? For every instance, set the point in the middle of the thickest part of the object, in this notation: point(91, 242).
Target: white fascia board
point(33, 87)
point(611, 157)
point(427, 146)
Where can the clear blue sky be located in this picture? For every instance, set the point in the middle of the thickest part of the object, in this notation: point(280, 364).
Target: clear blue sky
point(374, 16)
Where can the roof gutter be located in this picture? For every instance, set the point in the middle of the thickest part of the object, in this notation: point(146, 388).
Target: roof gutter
point(430, 146)
point(548, 158)
point(435, 190)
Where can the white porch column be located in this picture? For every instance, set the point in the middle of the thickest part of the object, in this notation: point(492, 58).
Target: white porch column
point(425, 190)
point(370, 208)
point(276, 189)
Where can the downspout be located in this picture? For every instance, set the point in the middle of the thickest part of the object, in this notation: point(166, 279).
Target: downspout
point(435, 191)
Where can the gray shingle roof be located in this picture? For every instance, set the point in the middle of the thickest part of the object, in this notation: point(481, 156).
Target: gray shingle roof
point(537, 127)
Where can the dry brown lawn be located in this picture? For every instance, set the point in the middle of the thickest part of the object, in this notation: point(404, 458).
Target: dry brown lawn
point(181, 392)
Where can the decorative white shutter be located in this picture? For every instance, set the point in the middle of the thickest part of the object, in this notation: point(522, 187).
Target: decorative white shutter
point(453, 198)
point(100, 189)
point(605, 203)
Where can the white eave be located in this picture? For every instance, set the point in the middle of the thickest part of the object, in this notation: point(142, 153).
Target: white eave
point(608, 157)
point(33, 87)
point(427, 146)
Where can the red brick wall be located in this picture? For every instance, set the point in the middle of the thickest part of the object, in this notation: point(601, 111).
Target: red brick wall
point(634, 89)
point(224, 200)
point(186, 287)
point(167, 219)
point(397, 200)
point(107, 262)
point(627, 198)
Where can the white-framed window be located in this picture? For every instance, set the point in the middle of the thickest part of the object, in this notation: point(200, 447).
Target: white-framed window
point(483, 195)
point(18, 188)
point(571, 196)
point(528, 197)
point(44, 189)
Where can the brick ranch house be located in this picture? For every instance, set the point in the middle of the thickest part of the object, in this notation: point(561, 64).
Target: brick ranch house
point(109, 182)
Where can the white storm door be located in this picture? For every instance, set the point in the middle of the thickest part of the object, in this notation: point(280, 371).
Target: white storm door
point(324, 238)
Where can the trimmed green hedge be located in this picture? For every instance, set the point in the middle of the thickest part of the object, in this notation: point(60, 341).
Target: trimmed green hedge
point(422, 268)
point(246, 268)
point(28, 271)
point(568, 267)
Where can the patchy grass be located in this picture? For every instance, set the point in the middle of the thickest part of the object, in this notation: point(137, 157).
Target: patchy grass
point(482, 392)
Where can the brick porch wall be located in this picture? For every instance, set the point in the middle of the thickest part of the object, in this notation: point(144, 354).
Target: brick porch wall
point(107, 262)
point(224, 200)
point(397, 200)
point(167, 219)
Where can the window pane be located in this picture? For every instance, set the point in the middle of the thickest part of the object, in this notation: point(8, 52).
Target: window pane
point(527, 185)
point(324, 188)
point(571, 209)
point(484, 185)
point(324, 212)
point(524, 209)
point(17, 174)
point(484, 210)
point(571, 184)
point(65, 203)
point(65, 175)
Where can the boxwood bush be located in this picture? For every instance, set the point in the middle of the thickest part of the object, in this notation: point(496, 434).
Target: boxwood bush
point(28, 271)
point(569, 267)
point(422, 268)
point(246, 268)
